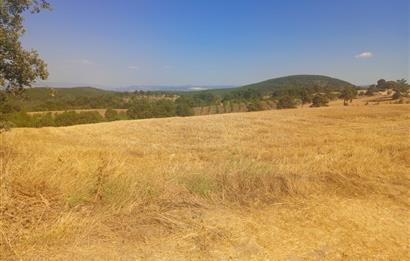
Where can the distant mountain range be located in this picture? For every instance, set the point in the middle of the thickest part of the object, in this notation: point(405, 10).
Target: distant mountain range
point(292, 81)
point(171, 87)
point(132, 88)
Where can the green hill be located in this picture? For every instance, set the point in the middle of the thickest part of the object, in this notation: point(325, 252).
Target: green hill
point(299, 81)
point(283, 92)
point(44, 99)
point(286, 83)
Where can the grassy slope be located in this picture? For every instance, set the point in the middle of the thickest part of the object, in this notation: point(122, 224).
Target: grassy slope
point(326, 183)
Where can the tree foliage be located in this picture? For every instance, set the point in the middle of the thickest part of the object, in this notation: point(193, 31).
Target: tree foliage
point(381, 84)
point(319, 101)
point(400, 88)
point(18, 67)
point(371, 90)
point(348, 94)
point(111, 115)
point(305, 96)
point(286, 102)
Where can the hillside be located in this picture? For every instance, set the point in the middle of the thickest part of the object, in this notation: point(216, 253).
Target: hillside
point(310, 184)
point(288, 82)
point(279, 93)
point(36, 97)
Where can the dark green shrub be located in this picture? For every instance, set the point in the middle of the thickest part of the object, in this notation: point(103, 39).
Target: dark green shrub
point(183, 108)
point(140, 109)
point(286, 102)
point(396, 95)
point(254, 106)
point(111, 115)
point(319, 101)
point(68, 118)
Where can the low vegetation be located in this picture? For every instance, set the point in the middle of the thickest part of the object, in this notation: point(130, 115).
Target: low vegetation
point(288, 93)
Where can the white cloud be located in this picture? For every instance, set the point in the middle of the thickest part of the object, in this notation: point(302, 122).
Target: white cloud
point(364, 55)
point(133, 67)
point(82, 61)
point(86, 61)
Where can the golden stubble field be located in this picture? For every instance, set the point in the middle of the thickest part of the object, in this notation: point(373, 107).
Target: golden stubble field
point(313, 184)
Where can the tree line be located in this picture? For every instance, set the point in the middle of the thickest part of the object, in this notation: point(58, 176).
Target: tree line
point(139, 109)
point(399, 87)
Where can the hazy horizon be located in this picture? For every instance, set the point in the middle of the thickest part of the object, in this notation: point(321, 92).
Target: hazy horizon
point(155, 86)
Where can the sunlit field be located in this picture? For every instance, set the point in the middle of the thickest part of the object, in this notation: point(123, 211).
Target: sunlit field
point(320, 183)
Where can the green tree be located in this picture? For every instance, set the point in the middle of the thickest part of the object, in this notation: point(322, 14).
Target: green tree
point(140, 109)
point(400, 88)
point(111, 115)
point(163, 108)
point(286, 102)
point(18, 67)
point(319, 101)
point(381, 84)
point(183, 108)
point(371, 90)
point(254, 105)
point(42, 120)
point(348, 94)
point(305, 97)
point(396, 95)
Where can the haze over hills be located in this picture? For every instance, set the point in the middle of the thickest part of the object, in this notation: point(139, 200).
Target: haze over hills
point(291, 81)
point(131, 88)
point(51, 98)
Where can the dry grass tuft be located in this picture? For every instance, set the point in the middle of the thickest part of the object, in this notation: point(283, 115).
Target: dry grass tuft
point(326, 183)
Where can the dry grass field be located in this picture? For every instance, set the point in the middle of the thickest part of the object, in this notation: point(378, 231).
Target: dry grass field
point(313, 184)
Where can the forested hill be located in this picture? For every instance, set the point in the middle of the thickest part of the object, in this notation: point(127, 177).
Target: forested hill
point(299, 81)
point(50, 99)
point(292, 82)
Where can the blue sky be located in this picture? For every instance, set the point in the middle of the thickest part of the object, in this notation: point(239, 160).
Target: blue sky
point(132, 42)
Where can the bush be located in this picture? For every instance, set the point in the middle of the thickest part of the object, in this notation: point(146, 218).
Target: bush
point(72, 118)
point(396, 95)
point(319, 101)
point(286, 102)
point(183, 108)
point(111, 115)
point(163, 108)
point(371, 90)
point(141, 109)
point(144, 108)
point(5, 126)
point(19, 119)
point(43, 120)
point(254, 106)
point(9, 108)
point(348, 94)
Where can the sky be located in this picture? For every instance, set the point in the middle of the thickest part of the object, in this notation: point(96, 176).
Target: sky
point(206, 42)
